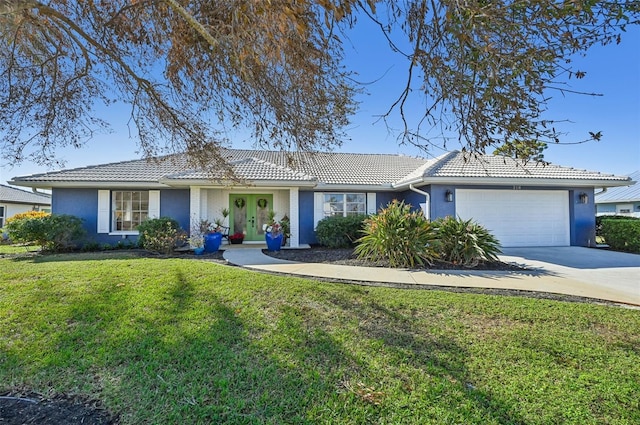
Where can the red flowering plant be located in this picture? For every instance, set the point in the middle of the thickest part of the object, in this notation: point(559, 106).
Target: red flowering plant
point(237, 237)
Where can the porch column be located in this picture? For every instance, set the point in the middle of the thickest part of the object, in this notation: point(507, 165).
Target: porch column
point(194, 208)
point(294, 217)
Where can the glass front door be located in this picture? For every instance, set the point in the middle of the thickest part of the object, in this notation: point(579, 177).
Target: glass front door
point(248, 214)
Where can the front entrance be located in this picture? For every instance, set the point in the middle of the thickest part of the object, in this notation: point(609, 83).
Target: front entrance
point(248, 213)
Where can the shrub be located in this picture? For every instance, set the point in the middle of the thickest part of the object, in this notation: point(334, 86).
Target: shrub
point(63, 232)
point(52, 232)
point(622, 235)
point(17, 227)
point(161, 235)
point(398, 235)
point(465, 242)
point(339, 232)
point(600, 218)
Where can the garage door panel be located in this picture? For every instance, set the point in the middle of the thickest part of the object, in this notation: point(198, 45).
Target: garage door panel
point(518, 217)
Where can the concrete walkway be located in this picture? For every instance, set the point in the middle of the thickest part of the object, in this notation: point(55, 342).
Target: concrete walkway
point(540, 276)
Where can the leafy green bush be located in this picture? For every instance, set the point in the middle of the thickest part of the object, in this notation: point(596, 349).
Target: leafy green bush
point(399, 236)
point(465, 242)
point(600, 218)
point(160, 235)
point(52, 232)
point(338, 231)
point(622, 235)
point(15, 226)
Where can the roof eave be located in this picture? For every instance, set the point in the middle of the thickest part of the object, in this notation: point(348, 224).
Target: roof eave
point(516, 181)
point(229, 183)
point(617, 201)
point(25, 203)
point(88, 184)
point(355, 187)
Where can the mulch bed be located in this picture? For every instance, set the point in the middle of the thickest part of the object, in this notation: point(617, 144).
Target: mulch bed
point(346, 256)
point(25, 409)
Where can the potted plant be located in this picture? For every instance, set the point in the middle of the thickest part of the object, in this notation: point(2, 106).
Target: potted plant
point(273, 235)
point(236, 238)
point(212, 235)
point(285, 224)
point(197, 243)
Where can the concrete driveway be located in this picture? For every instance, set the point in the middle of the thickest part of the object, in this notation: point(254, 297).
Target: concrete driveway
point(609, 270)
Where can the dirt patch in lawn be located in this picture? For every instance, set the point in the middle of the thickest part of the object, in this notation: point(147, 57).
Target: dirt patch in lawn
point(20, 408)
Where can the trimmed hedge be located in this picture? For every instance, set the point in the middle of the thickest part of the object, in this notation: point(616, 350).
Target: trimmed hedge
point(622, 235)
point(337, 231)
point(610, 217)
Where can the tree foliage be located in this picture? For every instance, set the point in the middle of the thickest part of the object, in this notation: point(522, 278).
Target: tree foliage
point(530, 150)
point(191, 70)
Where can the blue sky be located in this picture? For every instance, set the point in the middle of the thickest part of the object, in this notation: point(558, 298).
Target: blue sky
point(613, 70)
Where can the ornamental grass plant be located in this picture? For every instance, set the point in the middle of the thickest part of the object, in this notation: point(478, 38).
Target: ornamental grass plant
point(402, 237)
point(465, 242)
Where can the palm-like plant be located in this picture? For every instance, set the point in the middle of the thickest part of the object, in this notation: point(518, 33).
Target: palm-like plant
point(465, 242)
point(398, 235)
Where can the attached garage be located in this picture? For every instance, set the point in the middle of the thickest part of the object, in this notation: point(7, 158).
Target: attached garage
point(519, 217)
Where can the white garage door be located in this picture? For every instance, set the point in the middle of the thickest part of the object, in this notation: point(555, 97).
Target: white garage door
point(518, 217)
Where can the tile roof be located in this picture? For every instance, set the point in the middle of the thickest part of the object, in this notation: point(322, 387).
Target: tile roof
point(140, 170)
point(340, 168)
point(17, 196)
point(462, 164)
point(330, 168)
point(325, 168)
point(248, 169)
point(622, 194)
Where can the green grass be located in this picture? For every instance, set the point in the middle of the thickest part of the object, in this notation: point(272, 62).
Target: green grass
point(188, 341)
point(17, 249)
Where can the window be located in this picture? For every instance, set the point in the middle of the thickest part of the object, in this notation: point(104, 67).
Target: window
point(624, 208)
point(344, 204)
point(1, 217)
point(130, 208)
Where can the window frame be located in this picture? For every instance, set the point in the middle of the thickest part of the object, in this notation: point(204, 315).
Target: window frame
point(2, 215)
point(129, 209)
point(345, 203)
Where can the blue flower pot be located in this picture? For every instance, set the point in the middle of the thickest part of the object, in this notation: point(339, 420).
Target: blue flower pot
point(212, 241)
point(198, 251)
point(274, 243)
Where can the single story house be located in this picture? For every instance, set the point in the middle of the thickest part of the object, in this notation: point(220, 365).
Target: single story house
point(623, 201)
point(523, 204)
point(14, 201)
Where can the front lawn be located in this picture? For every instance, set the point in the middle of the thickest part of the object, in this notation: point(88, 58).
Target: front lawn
point(189, 341)
point(17, 248)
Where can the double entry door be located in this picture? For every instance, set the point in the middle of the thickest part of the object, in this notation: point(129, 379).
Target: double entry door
point(248, 213)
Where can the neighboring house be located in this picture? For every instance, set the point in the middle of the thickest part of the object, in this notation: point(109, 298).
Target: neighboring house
point(620, 200)
point(523, 204)
point(14, 201)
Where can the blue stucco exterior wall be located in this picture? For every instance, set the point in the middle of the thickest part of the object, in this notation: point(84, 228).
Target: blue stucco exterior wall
point(305, 210)
point(411, 197)
point(438, 208)
point(83, 203)
point(174, 203)
point(384, 198)
point(582, 218)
